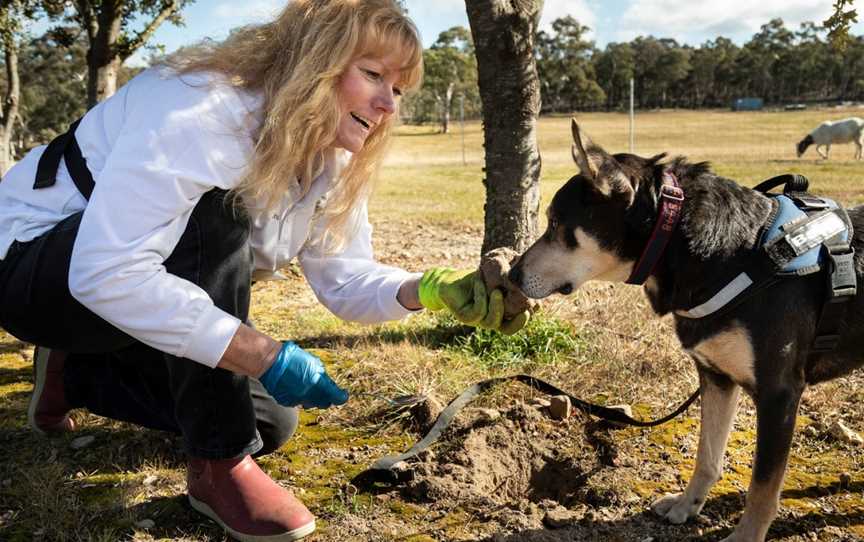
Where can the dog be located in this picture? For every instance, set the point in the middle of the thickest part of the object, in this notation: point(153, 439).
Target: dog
point(598, 224)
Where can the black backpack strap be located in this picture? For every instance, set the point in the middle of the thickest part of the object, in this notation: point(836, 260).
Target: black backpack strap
point(64, 146)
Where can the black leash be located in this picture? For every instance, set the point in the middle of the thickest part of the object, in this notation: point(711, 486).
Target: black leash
point(385, 464)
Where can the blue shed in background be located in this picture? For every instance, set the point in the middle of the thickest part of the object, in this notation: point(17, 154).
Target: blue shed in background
point(747, 104)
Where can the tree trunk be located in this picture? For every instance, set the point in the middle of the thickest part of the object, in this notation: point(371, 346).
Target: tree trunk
point(102, 81)
point(445, 108)
point(103, 60)
point(503, 32)
point(10, 105)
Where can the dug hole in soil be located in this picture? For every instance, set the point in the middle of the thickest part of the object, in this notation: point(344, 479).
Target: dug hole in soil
point(525, 475)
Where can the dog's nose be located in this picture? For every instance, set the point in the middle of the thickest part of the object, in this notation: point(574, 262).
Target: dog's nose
point(515, 275)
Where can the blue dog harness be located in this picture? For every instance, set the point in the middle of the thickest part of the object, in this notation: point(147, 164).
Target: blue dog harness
point(806, 234)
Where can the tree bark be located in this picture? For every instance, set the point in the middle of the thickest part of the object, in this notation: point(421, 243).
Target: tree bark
point(10, 105)
point(503, 32)
point(104, 26)
point(103, 62)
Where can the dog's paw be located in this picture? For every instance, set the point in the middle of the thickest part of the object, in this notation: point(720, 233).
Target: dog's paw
point(676, 508)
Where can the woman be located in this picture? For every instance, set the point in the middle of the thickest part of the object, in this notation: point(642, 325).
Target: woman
point(129, 244)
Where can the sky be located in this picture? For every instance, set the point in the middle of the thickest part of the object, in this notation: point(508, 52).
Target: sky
point(688, 21)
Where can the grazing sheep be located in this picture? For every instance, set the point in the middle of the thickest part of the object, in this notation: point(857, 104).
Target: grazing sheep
point(838, 131)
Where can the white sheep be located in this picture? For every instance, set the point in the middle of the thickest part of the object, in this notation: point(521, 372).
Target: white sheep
point(838, 131)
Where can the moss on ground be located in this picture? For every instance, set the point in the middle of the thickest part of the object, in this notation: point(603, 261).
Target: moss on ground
point(808, 477)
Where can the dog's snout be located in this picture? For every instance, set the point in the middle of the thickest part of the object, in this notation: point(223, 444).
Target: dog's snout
point(515, 275)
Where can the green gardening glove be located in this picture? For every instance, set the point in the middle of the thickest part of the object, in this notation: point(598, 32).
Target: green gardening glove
point(463, 293)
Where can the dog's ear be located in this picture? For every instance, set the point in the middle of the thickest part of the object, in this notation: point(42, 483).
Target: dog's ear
point(588, 165)
point(654, 160)
point(591, 164)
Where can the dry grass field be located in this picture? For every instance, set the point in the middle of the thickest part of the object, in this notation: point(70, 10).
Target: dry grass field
point(519, 473)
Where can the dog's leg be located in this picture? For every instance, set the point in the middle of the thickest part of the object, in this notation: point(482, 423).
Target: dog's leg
point(719, 403)
point(776, 410)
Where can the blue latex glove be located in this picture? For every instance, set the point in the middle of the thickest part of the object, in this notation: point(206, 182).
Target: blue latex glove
point(298, 378)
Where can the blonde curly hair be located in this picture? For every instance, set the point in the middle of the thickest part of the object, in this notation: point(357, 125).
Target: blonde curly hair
point(295, 62)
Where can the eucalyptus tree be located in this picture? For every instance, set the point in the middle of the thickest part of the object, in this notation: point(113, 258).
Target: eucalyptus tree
point(760, 60)
point(672, 68)
point(615, 66)
point(53, 88)
point(567, 76)
point(115, 30)
point(702, 79)
point(13, 17)
point(450, 68)
point(839, 22)
point(647, 51)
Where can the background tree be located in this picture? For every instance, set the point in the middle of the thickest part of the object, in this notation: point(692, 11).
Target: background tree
point(53, 89)
point(504, 32)
point(110, 36)
point(13, 13)
point(661, 65)
point(724, 72)
point(568, 80)
point(450, 69)
point(770, 49)
point(647, 52)
point(703, 75)
point(54, 81)
point(615, 66)
point(839, 22)
point(673, 66)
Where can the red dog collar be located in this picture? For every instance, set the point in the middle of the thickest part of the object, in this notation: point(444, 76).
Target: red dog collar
point(668, 214)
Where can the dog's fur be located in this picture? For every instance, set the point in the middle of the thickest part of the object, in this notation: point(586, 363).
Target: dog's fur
point(600, 221)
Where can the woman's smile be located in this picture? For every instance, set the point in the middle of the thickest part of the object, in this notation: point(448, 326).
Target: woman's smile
point(368, 96)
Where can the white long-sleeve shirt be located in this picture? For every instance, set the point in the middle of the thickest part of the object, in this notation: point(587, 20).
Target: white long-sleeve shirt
point(154, 148)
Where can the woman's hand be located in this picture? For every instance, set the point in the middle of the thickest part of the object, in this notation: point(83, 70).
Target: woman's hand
point(464, 294)
point(296, 377)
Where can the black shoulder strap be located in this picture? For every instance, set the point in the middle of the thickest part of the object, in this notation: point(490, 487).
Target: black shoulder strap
point(64, 146)
point(792, 183)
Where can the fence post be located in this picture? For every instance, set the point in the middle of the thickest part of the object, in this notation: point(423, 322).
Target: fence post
point(632, 120)
point(462, 123)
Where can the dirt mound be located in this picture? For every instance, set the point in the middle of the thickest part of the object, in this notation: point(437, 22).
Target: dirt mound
point(518, 466)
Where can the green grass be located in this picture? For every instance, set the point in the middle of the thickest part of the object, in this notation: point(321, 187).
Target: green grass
point(425, 177)
point(544, 340)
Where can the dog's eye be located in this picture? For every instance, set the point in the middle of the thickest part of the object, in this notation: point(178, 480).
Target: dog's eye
point(551, 230)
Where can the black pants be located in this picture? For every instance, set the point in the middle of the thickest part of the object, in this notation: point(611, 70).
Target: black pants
point(219, 414)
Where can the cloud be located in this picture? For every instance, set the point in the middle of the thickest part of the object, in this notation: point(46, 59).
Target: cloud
point(732, 18)
point(256, 11)
point(578, 9)
point(433, 17)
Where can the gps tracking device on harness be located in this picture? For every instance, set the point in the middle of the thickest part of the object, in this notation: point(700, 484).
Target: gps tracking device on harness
point(804, 234)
